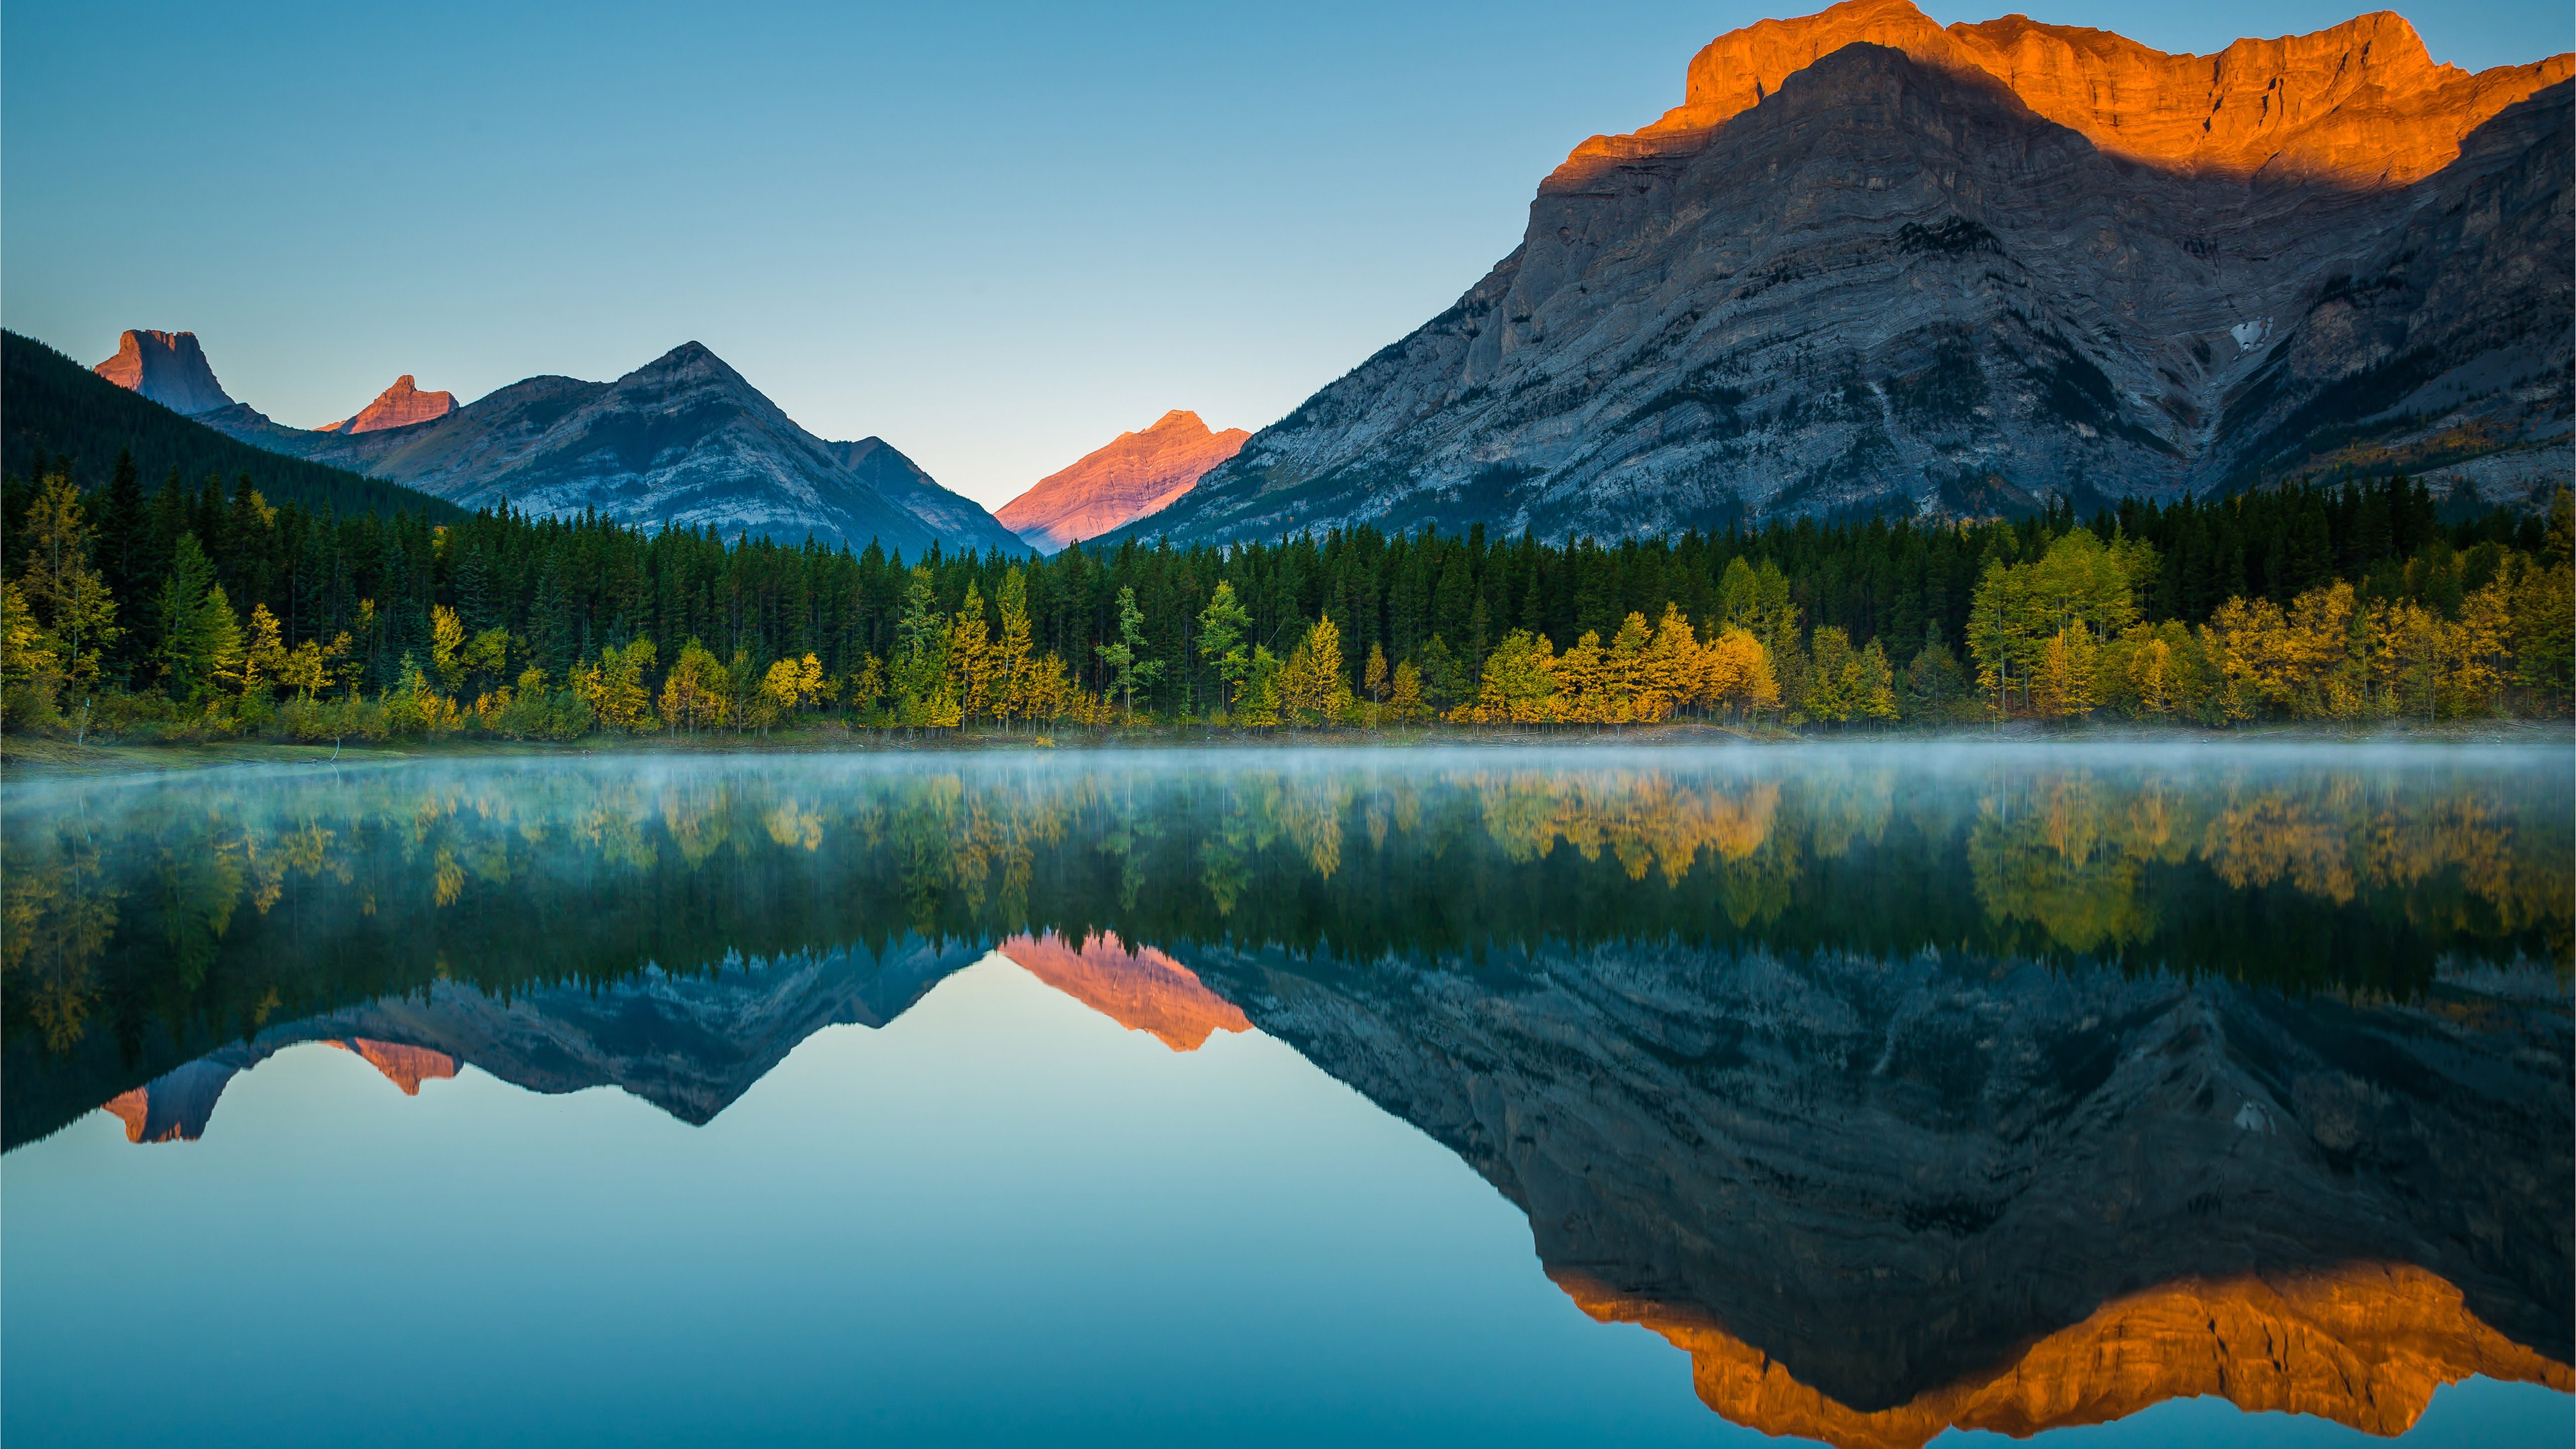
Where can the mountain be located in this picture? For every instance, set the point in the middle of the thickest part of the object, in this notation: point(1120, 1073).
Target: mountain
point(901, 481)
point(1133, 475)
point(398, 406)
point(167, 367)
point(681, 442)
point(58, 408)
point(1873, 263)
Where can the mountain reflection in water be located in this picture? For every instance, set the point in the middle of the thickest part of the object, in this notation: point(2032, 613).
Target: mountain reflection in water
point(2003, 1089)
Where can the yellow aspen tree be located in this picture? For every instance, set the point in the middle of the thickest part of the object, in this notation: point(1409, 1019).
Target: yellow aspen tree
point(1668, 675)
point(1011, 649)
point(446, 646)
point(2151, 666)
point(1520, 683)
point(1311, 687)
point(1583, 682)
point(31, 667)
point(1404, 697)
point(62, 591)
point(1624, 670)
point(1826, 696)
point(1873, 688)
point(264, 653)
point(693, 693)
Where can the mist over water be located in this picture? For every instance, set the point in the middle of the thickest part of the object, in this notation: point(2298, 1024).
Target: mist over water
point(1859, 1092)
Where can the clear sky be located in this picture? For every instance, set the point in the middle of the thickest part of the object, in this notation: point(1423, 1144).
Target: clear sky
point(994, 234)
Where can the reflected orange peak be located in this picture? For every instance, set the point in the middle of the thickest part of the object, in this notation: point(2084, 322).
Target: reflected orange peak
point(2364, 1345)
point(2359, 103)
point(1138, 987)
point(134, 1109)
point(404, 1066)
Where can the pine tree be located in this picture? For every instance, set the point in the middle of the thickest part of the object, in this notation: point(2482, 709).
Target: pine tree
point(200, 646)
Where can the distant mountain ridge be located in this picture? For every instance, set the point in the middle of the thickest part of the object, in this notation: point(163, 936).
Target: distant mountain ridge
point(1125, 479)
point(56, 408)
point(681, 442)
point(1872, 263)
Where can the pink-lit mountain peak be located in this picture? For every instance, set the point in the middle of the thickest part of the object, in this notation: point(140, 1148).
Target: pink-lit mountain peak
point(1131, 476)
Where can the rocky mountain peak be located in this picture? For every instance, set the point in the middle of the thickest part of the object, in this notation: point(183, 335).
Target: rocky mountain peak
point(398, 406)
point(167, 367)
point(1133, 475)
point(2360, 103)
point(1873, 263)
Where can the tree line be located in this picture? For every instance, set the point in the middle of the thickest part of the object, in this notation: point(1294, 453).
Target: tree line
point(209, 609)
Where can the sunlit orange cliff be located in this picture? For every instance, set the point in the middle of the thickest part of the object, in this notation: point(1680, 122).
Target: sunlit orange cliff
point(1133, 475)
point(2364, 1345)
point(398, 406)
point(1138, 987)
point(2360, 103)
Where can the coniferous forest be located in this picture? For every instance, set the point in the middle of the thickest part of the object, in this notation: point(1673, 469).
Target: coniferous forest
point(207, 609)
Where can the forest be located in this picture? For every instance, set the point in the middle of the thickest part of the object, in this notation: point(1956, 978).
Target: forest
point(210, 610)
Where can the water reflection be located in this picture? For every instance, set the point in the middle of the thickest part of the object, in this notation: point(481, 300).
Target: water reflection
point(1902, 1092)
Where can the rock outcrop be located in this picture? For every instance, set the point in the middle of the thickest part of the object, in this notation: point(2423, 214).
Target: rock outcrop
point(398, 406)
point(2357, 104)
point(1132, 475)
point(167, 367)
point(1872, 263)
point(1137, 987)
point(682, 442)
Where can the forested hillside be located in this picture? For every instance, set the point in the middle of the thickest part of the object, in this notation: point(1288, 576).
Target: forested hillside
point(207, 610)
point(58, 410)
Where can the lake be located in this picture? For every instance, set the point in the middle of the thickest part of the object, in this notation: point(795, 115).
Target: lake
point(2135, 1094)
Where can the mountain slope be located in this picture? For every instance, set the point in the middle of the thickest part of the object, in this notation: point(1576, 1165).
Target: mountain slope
point(682, 442)
point(1860, 268)
point(55, 406)
point(1131, 476)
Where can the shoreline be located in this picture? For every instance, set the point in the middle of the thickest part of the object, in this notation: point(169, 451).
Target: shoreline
point(39, 757)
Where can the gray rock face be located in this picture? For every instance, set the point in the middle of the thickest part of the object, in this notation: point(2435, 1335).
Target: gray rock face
point(682, 442)
point(959, 522)
point(1893, 285)
point(1887, 1175)
point(167, 367)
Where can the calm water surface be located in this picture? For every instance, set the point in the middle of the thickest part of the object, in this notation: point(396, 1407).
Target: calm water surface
point(1875, 1095)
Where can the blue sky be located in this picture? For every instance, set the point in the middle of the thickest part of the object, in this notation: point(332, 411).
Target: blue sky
point(995, 234)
